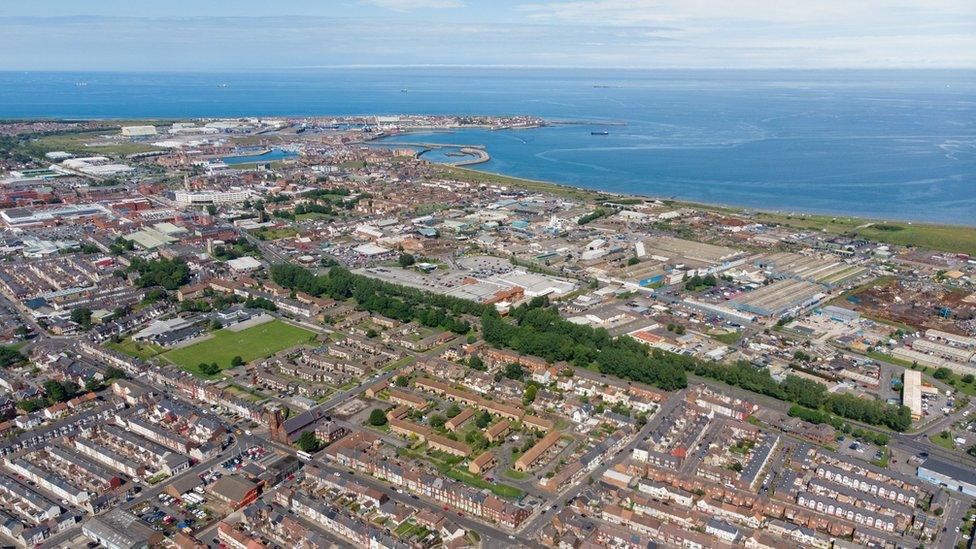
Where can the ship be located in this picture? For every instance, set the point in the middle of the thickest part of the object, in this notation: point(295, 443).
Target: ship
point(600, 132)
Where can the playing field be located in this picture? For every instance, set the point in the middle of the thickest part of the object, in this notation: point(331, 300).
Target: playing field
point(259, 341)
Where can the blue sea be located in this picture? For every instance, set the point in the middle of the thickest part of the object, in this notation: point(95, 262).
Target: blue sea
point(881, 144)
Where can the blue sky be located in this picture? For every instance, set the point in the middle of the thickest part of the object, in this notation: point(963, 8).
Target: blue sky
point(242, 34)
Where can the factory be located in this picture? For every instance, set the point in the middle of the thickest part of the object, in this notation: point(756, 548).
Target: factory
point(19, 218)
point(828, 270)
point(779, 298)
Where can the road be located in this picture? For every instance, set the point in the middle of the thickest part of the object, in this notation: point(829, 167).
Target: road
point(538, 521)
point(491, 536)
point(954, 511)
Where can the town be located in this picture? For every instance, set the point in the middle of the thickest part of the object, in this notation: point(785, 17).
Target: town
point(292, 332)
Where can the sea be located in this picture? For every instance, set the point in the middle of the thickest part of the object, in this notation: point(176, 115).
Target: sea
point(885, 144)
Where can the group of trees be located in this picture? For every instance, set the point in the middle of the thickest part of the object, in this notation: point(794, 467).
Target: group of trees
point(377, 418)
point(209, 369)
point(594, 215)
point(819, 416)
point(802, 391)
point(698, 282)
point(170, 274)
point(9, 356)
point(406, 260)
point(234, 249)
point(391, 300)
point(540, 331)
point(308, 442)
point(82, 316)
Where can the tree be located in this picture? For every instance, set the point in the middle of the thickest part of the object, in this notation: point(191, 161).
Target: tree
point(307, 442)
point(529, 396)
point(236, 361)
point(92, 384)
point(82, 316)
point(436, 421)
point(633, 261)
point(406, 260)
point(56, 391)
point(377, 418)
point(9, 357)
point(209, 369)
point(31, 405)
point(453, 410)
point(968, 378)
point(476, 363)
point(401, 381)
point(483, 420)
point(942, 373)
point(514, 371)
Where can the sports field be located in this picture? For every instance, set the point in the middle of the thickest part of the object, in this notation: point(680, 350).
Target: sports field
point(259, 341)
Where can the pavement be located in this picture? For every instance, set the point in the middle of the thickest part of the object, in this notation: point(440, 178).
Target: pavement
point(532, 526)
point(491, 536)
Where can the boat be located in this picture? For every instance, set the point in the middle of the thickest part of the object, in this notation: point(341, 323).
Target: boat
point(223, 85)
point(600, 132)
point(403, 90)
point(81, 84)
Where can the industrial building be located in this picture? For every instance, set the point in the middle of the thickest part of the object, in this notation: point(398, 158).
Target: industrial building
point(828, 270)
point(119, 529)
point(952, 477)
point(779, 298)
point(911, 395)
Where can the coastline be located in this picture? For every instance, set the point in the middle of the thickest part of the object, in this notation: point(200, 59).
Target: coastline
point(943, 237)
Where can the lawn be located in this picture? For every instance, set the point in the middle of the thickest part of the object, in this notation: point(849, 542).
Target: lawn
point(513, 474)
point(728, 338)
point(943, 441)
point(275, 234)
point(255, 342)
point(90, 143)
point(501, 490)
point(128, 347)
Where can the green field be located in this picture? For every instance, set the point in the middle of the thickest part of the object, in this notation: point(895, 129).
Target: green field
point(256, 342)
point(144, 351)
point(90, 143)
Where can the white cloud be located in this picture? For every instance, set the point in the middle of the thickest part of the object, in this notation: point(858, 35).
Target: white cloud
point(405, 5)
point(643, 12)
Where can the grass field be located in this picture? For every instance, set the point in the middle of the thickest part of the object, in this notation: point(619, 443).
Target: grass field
point(144, 351)
point(256, 342)
point(89, 143)
point(943, 441)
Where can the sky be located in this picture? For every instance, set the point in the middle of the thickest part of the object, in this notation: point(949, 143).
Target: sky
point(209, 35)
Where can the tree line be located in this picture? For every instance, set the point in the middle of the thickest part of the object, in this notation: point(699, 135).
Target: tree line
point(391, 300)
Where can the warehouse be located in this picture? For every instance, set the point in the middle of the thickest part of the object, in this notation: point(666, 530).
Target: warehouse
point(697, 254)
point(944, 351)
point(953, 477)
point(827, 269)
point(922, 359)
point(911, 395)
point(779, 298)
